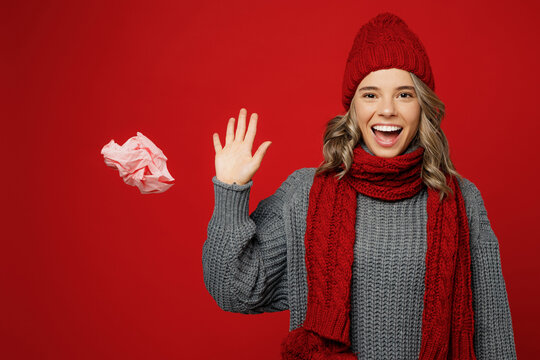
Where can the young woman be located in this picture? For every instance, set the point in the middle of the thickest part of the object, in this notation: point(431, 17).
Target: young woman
point(382, 252)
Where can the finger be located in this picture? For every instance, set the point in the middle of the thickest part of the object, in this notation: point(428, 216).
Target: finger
point(217, 143)
point(261, 151)
point(229, 138)
point(252, 129)
point(241, 127)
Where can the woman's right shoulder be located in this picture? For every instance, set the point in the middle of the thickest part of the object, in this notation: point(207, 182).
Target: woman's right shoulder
point(299, 181)
point(302, 175)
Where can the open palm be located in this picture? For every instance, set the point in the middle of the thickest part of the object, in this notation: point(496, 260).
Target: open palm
point(234, 162)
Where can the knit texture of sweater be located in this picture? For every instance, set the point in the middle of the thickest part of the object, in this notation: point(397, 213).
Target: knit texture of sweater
point(254, 263)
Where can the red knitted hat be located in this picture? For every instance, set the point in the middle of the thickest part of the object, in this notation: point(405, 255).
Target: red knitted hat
point(384, 42)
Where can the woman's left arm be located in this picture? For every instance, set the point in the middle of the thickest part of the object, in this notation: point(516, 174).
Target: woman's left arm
point(493, 331)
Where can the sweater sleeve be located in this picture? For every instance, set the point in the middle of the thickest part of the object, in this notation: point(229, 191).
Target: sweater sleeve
point(244, 257)
point(493, 331)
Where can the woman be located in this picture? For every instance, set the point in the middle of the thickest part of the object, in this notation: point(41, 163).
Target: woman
point(382, 252)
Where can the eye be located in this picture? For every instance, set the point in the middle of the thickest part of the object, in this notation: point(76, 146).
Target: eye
point(405, 93)
point(368, 95)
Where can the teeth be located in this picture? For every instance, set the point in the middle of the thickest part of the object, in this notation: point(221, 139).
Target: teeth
point(386, 128)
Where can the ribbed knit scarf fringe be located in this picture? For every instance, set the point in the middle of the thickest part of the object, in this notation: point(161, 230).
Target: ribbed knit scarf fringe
point(447, 319)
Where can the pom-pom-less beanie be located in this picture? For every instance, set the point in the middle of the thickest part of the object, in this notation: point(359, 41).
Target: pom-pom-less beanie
point(382, 43)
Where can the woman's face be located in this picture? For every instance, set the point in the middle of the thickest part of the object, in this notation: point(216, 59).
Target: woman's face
point(386, 100)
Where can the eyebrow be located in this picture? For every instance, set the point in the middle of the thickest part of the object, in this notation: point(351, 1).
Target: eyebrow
point(405, 87)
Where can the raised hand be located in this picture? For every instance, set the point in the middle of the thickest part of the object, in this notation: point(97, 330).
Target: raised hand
point(234, 163)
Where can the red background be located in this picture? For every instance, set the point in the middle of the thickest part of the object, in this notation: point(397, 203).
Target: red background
point(92, 269)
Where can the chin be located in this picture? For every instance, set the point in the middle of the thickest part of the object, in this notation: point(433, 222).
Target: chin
point(386, 152)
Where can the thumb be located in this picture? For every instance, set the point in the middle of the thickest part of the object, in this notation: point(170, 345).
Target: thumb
point(261, 151)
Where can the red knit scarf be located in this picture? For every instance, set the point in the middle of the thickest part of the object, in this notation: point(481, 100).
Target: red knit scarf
point(447, 320)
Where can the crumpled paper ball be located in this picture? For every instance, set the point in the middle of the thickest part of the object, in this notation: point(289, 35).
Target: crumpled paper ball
point(140, 163)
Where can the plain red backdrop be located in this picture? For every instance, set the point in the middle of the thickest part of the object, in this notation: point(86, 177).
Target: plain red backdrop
point(92, 269)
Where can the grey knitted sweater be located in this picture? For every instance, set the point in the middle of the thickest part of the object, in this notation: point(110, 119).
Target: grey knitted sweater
point(254, 263)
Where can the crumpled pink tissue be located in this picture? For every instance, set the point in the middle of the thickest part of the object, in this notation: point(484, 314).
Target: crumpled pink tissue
point(140, 163)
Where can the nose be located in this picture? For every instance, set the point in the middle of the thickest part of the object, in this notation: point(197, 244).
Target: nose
point(387, 107)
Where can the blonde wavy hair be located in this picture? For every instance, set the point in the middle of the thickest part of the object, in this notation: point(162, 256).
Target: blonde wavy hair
point(343, 134)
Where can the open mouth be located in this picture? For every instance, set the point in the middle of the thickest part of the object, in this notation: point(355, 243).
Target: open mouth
point(386, 135)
